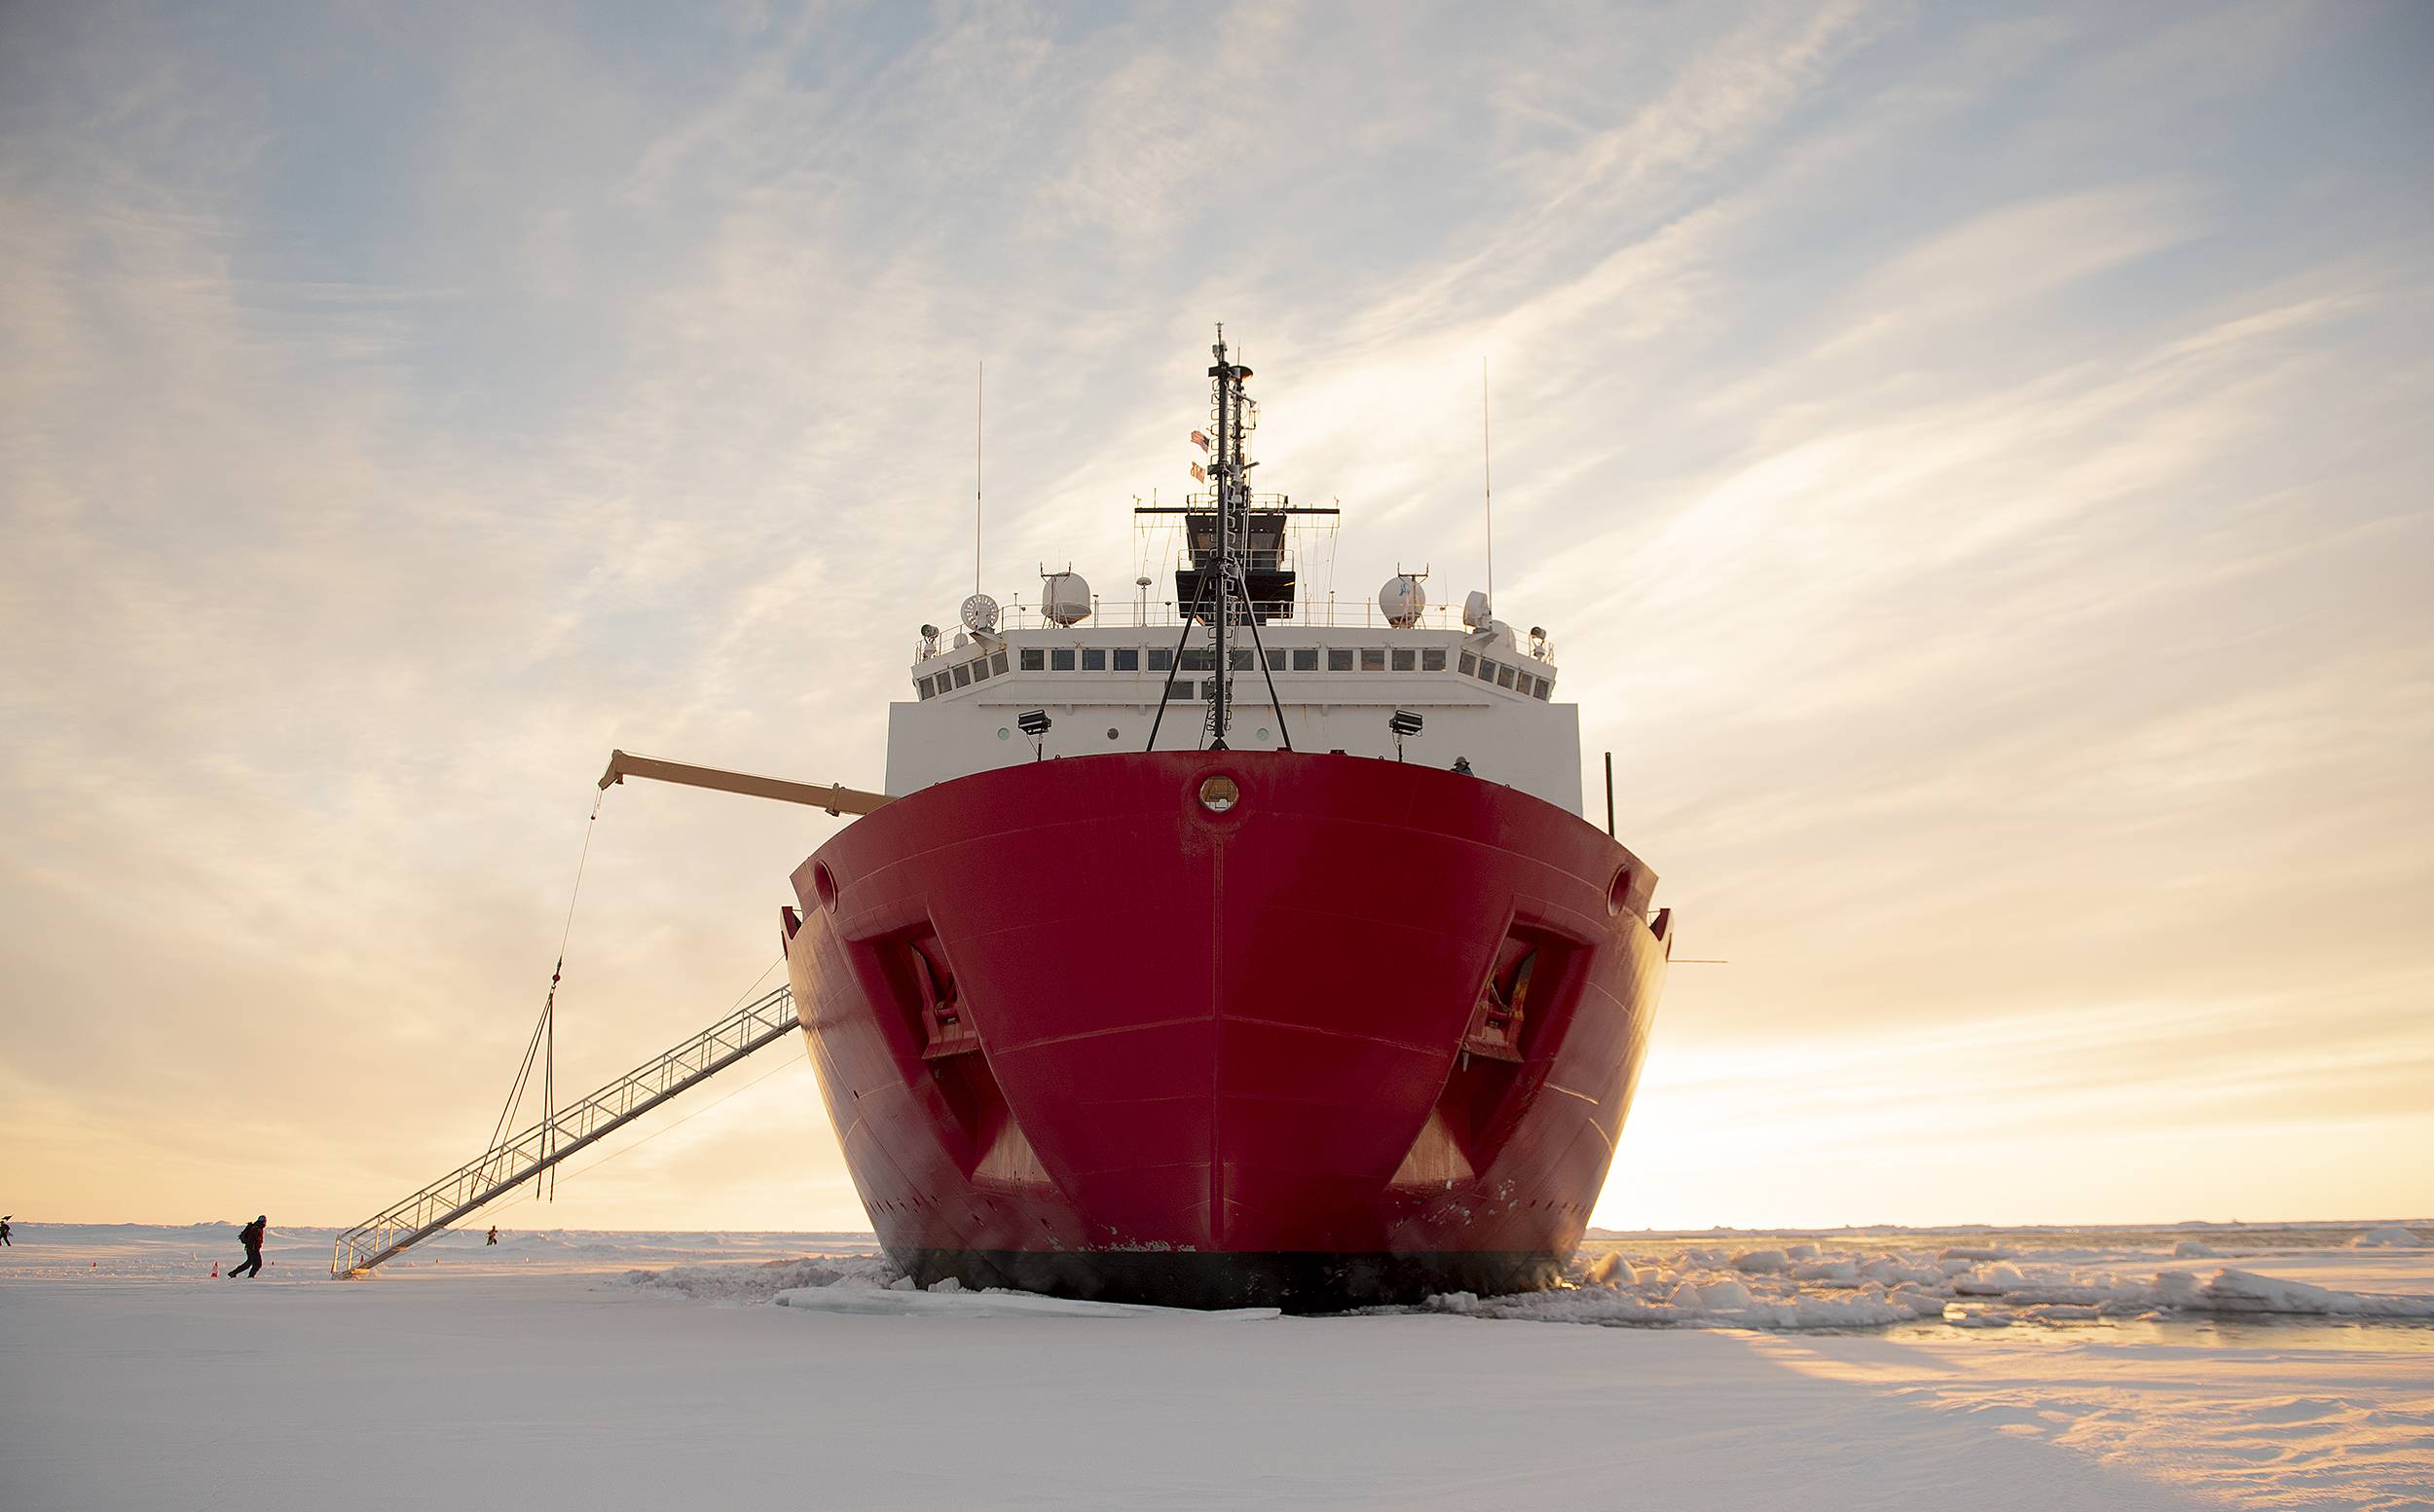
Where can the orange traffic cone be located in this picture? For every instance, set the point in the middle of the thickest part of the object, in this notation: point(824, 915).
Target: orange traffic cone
point(215, 1270)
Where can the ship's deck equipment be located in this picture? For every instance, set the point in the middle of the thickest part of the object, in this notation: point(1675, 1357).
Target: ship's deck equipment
point(835, 799)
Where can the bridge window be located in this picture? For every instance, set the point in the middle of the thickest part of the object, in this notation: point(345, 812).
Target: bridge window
point(1240, 658)
point(1276, 660)
point(1161, 658)
point(1470, 664)
point(1339, 658)
point(962, 674)
point(1433, 658)
point(997, 664)
point(1200, 659)
point(1127, 659)
point(1060, 659)
point(1405, 658)
point(1033, 659)
point(1306, 659)
point(1372, 658)
point(1486, 670)
point(926, 688)
point(1504, 677)
point(1540, 687)
point(980, 669)
point(1093, 659)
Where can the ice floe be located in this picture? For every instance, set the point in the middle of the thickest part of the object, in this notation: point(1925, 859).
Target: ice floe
point(1808, 1284)
point(768, 1282)
point(2390, 1236)
point(1817, 1286)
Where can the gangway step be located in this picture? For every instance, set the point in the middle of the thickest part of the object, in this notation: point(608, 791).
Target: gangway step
point(763, 1022)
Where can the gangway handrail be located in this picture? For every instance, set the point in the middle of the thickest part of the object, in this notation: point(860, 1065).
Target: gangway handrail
point(505, 1167)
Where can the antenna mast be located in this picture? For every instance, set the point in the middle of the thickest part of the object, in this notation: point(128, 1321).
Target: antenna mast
point(979, 391)
point(1487, 480)
point(979, 387)
point(1228, 395)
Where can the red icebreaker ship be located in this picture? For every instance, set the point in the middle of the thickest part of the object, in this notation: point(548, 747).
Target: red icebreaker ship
point(1258, 957)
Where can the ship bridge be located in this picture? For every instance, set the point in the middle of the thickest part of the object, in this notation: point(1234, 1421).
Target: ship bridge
point(1483, 694)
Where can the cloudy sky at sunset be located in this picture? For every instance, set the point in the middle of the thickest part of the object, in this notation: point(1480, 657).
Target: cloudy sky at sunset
point(1974, 467)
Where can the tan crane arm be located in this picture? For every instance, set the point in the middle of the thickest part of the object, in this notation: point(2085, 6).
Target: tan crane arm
point(836, 800)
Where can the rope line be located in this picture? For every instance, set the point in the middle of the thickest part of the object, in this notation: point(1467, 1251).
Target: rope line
point(542, 1047)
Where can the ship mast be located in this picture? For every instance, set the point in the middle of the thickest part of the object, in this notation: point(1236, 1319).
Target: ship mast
point(1236, 570)
point(1232, 484)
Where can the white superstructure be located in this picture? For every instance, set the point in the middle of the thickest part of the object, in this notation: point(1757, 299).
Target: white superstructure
point(1261, 669)
point(1483, 696)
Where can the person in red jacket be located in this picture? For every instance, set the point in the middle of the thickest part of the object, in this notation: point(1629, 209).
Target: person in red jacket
point(251, 1237)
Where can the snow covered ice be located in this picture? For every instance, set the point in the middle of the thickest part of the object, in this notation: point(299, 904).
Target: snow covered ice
point(1872, 1278)
point(2281, 1367)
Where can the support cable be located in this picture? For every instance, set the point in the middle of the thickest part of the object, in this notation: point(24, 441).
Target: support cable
point(1261, 650)
point(741, 999)
point(543, 1048)
point(1168, 691)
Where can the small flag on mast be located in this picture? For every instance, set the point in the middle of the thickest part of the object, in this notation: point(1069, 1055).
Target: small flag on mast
point(1199, 440)
point(1200, 475)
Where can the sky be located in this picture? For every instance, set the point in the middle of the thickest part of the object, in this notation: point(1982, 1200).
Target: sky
point(1971, 462)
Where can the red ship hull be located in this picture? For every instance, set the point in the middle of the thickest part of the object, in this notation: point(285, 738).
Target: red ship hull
point(1366, 1035)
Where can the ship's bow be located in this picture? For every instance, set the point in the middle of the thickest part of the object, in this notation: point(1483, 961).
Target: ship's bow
point(1227, 1027)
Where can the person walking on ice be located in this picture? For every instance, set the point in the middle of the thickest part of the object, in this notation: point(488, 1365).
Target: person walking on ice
point(4, 1230)
point(494, 1234)
point(251, 1237)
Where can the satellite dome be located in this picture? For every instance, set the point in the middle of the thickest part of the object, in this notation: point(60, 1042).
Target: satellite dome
point(1475, 612)
point(1065, 597)
point(1402, 599)
point(980, 613)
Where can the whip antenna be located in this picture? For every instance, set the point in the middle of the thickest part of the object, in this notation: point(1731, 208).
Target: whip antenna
point(1486, 481)
point(979, 391)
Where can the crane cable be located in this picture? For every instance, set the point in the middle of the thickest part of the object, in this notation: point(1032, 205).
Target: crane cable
point(544, 1044)
point(689, 1117)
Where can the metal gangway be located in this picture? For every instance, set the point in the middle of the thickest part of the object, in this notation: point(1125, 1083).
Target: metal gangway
point(509, 1164)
